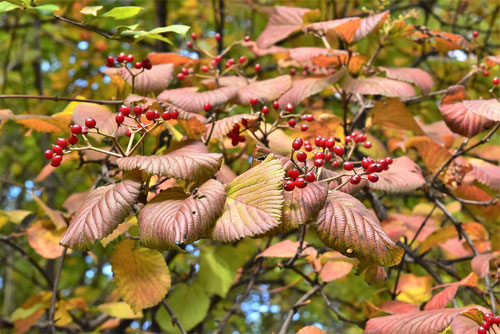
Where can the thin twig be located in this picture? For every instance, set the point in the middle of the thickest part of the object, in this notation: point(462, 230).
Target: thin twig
point(175, 321)
point(298, 304)
point(52, 309)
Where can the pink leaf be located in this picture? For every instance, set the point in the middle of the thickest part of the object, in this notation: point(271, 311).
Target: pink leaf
point(287, 249)
point(283, 22)
point(378, 86)
point(229, 80)
point(443, 298)
point(412, 75)
point(403, 176)
point(174, 217)
point(190, 100)
point(101, 212)
point(481, 264)
point(458, 118)
point(104, 118)
point(347, 226)
point(321, 28)
point(486, 108)
point(305, 54)
point(465, 325)
point(225, 175)
point(485, 173)
point(368, 24)
point(154, 80)
point(259, 52)
point(398, 307)
point(429, 322)
point(333, 270)
point(223, 126)
point(265, 90)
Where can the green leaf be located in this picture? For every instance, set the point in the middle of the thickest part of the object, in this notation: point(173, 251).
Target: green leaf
point(7, 6)
point(190, 304)
point(180, 29)
point(47, 9)
point(91, 10)
point(155, 33)
point(122, 13)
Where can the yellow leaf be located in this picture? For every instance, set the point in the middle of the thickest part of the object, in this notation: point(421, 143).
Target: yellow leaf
point(393, 113)
point(119, 310)
point(141, 275)
point(414, 289)
point(193, 128)
point(56, 216)
point(122, 228)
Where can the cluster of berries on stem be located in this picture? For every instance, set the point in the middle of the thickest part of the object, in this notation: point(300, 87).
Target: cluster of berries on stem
point(122, 59)
point(489, 320)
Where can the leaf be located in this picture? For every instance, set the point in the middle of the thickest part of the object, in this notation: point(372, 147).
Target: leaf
point(122, 228)
point(55, 216)
point(474, 193)
point(122, 13)
point(466, 325)
point(141, 275)
point(192, 101)
point(403, 176)
point(306, 87)
point(347, 226)
point(429, 322)
point(398, 307)
point(139, 35)
point(90, 10)
point(475, 230)
point(480, 264)
point(485, 173)
point(104, 118)
point(101, 212)
point(254, 202)
point(42, 123)
point(283, 22)
point(44, 238)
point(305, 54)
point(223, 126)
point(458, 118)
point(489, 109)
point(190, 304)
point(287, 249)
point(444, 297)
point(393, 113)
point(310, 330)
point(411, 75)
point(6, 6)
point(368, 24)
point(260, 52)
point(170, 58)
point(120, 310)
point(174, 217)
point(333, 270)
point(265, 90)
point(183, 163)
point(378, 86)
point(433, 154)
point(154, 80)
point(46, 9)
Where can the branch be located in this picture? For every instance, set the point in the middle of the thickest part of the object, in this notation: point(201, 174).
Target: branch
point(84, 26)
point(52, 310)
point(295, 307)
point(175, 321)
point(57, 98)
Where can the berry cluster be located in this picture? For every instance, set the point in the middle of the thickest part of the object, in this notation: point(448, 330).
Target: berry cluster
point(123, 59)
point(489, 320)
point(235, 135)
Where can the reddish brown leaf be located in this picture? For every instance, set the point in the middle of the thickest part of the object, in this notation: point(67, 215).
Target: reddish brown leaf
point(175, 59)
point(190, 100)
point(403, 176)
point(474, 193)
point(265, 90)
point(101, 212)
point(485, 173)
point(310, 330)
point(347, 226)
point(489, 109)
point(433, 154)
point(429, 322)
point(283, 22)
point(399, 307)
point(458, 118)
point(287, 249)
point(174, 217)
point(481, 264)
point(72, 203)
point(154, 80)
point(323, 27)
point(333, 270)
point(444, 297)
point(378, 86)
point(186, 163)
point(392, 113)
point(223, 126)
point(412, 75)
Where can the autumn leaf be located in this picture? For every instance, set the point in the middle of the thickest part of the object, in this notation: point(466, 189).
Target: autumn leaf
point(287, 249)
point(101, 212)
point(443, 298)
point(119, 310)
point(393, 113)
point(141, 275)
point(378, 86)
point(175, 59)
point(333, 270)
point(174, 217)
point(347, 226)
point(223, 126)
point(147, 81)
point(484, 173)
point(398, 307)
point(265, 90)
point(403, 176)
point(103, 116)
point(191, 100)
point(411, 75)
point(474, 193)
point(433, 154)
point(254, 202)
point(40, 123)
point(310, 330)
point(489, 109)
point(480, 264)
point(44, 237)
point(55, 216)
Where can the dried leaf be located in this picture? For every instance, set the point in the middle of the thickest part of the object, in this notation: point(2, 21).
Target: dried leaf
point(393, 113)
point(403, 176)
point(378, 86)
point(411, 75)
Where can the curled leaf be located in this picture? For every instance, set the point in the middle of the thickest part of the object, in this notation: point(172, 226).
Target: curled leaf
point(489, 109)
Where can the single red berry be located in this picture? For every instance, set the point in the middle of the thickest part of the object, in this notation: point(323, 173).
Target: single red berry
point(308, 147)
point(495, 81)
point(372, 168)
point(373, 177)
point(304, 127)
point(257, 67)
point(330, 143)
point(361, 138)
point(317, 141)
point(335, 164)
point(207, 106)
point(48, 154)
point(329, 156)
point(383, 162)
point(380, 167)
point(62, 142)
point(56, 160)
point(111, 59)
point(365, 163)
point(265, 109)
point(236, 128)
point(485, 325)
point(319, 162)
point(355, 179)
point(137, 110)
point(301, 183)
point(146, 63)
point(166, 116)
point(354, 134)
point(76, 129)
point(72, 139)
point(367, 144)
point(292, 122)
point(125, 110)
point(486, 73)
point(121, 57)
point(205, 68)
point(488, 317)
point(389, 160)
point(180, 76)
point(241, 139)
point(242, 59)
point(235, 141)
point(254, 101)
point(119, 118)
point(128, 133)
point(293, 173)
point(309, 118)
point(293, 71)
point(90, 123)
point(289, 185)
point(347, 139)
point(150, 115)
point(481, 330)
point(218, 59)
point(301, 156)
point(276, 105)
point(193, 36)
point(129, 58)
point(497, 319)
point(348, 165)
point(289, 107)
point(339, 151)
point(475, 34)
point(228, 64)
point(324, 141)
point(310, 177)
point(174, 114)
point(138, 65)
point(184, 71)
point(247, 38)
point(189, 45)
point(244, 122)
point(217, 37)
point(297, 144)
point(319, 155)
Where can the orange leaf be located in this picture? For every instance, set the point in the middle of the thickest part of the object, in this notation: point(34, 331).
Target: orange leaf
point(44, 238)
point(433, 154)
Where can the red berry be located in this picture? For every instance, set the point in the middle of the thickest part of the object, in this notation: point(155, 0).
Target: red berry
point(310, 177)
point(48, 154)
point(481, 330)
point(207, 106)
point(265, 109)
point(204, 68)
point(304, 127)
point(317, 141)
point(121, 57)
point(389, 160)
point(90, 123)
point(293, 71)
point(254, 101)
point(485, 325)
point(329, 156)
point(244, 122)
point(373, 177)
point(180, 76)
point(76, 129)
point(383, 162)
point(292, 122)
point(339, 151)
point(189, 45)
point(146, 63)
point(174, 114)
point(119, 118)
point(348, 165)
point(289, 107)
point(360, 138)
point(184, 71)
point(166, 116)
point(309, 118)
point(129, 58)
point(242, 59)
point(355, 179)
point(335, 164)
point(128, 133)
point(497, 320)
point(111, 59)
point(62, 142)
point(324, 141)
point(56, 160)
point(241, 139)
point(218, 59)
point(486, 73)
point(495, 81)
point(289, 185)
point(354, 134)
point(367, 144)
point(301, 183)
point(330, 143)
point(380, 167)
point(257, 67)
point(347, 139)
point(319, 155)
point(193, 36)
point(150, 115)
point(301, 156)
point(247, 38)
point(276, 105)
point(319, 162)
point(57, 149)
point(125, 111)
point(138, 65)
point(235, 141)
point(137, 110)
point(308, 147)
point(372, 168)
point(475, 34)
point(217, 36)
point(72, 139)
point(297, 144)
point(365, 163)
point(293, 173)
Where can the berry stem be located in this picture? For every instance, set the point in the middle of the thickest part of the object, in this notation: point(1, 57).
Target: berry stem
point(92, 148)
point(141, 140)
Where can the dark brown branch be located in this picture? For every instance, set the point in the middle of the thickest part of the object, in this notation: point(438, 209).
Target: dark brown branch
point(52, 309)
point(175, 321)
point(58, 98)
